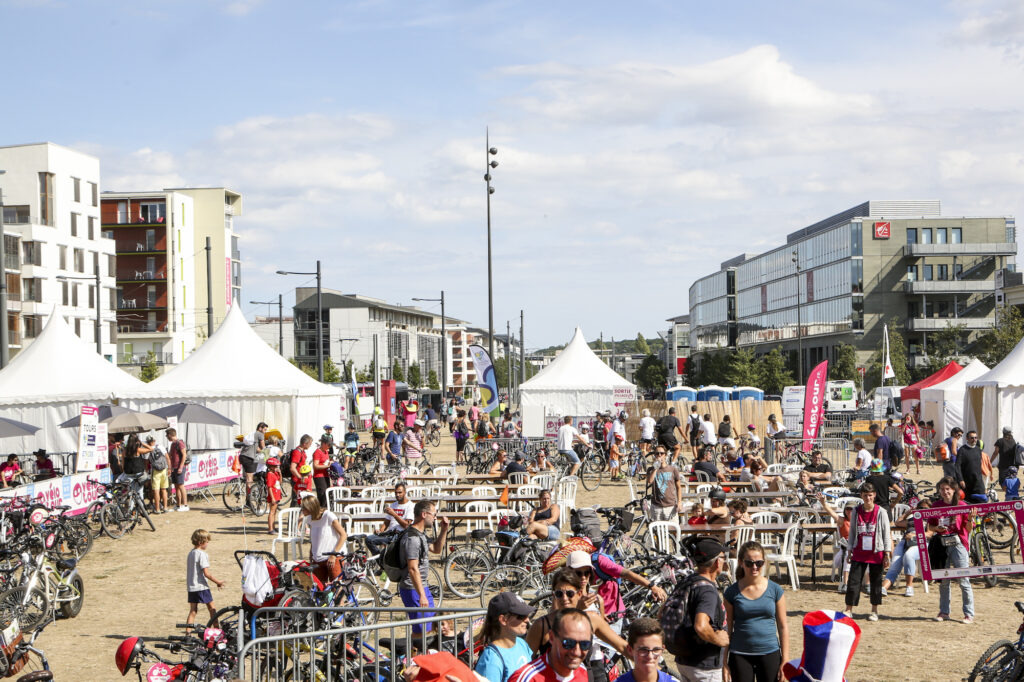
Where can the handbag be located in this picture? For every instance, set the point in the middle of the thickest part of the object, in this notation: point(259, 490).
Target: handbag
point(937, 552)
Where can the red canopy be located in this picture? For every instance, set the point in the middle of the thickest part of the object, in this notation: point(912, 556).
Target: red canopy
point(913, 391)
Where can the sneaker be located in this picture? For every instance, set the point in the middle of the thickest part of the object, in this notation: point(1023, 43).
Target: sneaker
point(183, 508)
point(848, 613)
point(873, 617)
point(941, 617)
point(885, 592)
point(967, 620)
point(909, 592)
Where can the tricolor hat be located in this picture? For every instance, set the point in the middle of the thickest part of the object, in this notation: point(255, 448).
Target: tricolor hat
point(830, 639)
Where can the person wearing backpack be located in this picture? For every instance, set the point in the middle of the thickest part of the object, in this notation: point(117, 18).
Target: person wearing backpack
point(159, 481)
point(505, 649)
point(693, 617)
point(414, 555)
point(605, 574)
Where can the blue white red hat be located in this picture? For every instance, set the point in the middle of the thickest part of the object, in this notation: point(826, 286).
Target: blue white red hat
point(830, 640)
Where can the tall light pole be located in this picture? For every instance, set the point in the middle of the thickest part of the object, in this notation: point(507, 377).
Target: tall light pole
point(799, 326)
point(96, 300)
point(319, 321)
point(444, 345)
point(488, 165)
point(4, 352)
point(280, 320)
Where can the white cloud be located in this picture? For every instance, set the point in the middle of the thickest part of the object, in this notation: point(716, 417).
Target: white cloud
point(240, 8)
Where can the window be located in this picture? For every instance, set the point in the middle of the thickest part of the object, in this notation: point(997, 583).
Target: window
point(113, 299)
point(32, 289)
point(92, 227)
point(911, 235)
point(113, 331)
point(64, 292)
point(111, 265)
point(33, 325)
point(150, 240)
point(943, 308)
point(943, 272)
point(62, 256)
point(150, 296)
point(927, 272)
point(857, 276)
point(929, 309)
point(152, 212)
point(958, 270)
point(940, 235)
point(856, 239)
point(911, 273)
point(926, 235)
point(957, 234)
point(74, 294)
point(92, 295)
point(76, 186)
point(94, 190)
point(122, 212)
point(150, 267)
point(79, 260)
point(913, 309)
point(78, 326)
point(32, 253)
point(74, 224)
point(46, 198)
point(107, 234)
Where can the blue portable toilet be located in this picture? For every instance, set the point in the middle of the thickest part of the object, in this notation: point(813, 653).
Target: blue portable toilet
point(681, 393)
point(747, 393)
point(714, 393)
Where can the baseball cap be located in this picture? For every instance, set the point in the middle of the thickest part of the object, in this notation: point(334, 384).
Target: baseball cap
point(508, 602)
point(419, 422)
point(717, 494)
point(327, 426)
point(273, 462)
point(1007, 430)
point(579, 559)
point(707, 549)
point(619, 436)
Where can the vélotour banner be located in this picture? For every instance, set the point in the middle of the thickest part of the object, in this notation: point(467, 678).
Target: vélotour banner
point(78, 492)
point(814, 403)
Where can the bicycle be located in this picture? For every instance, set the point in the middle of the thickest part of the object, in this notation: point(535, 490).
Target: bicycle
point(349, 590)
point(1003, 660)
point(126, 507)
point(44, 585)
point(24, 656)
point(434, 435)
point(980, 550)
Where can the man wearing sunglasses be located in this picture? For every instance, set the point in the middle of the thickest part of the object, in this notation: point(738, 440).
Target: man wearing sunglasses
point(571, 637)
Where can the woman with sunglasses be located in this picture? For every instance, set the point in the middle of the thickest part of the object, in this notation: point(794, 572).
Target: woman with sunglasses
point(505, 651)
point(567, 593)
point(755, 610)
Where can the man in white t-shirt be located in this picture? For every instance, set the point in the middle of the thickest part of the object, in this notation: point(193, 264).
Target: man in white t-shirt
point(707, 431)
point(647, 425)
point(400, 511)
point(567, 435)
point(863, 466)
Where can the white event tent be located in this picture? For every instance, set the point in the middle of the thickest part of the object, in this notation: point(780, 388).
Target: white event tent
point(576, 383)
point(237, 374)
point(996, 399)
point(48, 382)
point(943, 403)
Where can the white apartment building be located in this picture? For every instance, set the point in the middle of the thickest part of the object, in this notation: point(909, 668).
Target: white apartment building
point(51, 222)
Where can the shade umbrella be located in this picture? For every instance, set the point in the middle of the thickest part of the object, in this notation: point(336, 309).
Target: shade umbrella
point(122, 420)
point(9, 428)
point(192, 413)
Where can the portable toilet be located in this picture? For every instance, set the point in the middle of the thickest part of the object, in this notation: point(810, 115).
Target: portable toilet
point(747, 393)
point(681, 393)
point(714, 393)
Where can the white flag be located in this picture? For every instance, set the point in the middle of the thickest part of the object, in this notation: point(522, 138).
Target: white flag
point(887, 371)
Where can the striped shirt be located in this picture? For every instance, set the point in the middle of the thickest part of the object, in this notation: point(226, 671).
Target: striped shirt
point(412, 441)
point(538, 670)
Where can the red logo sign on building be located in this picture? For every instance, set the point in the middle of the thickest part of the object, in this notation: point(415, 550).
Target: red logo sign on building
point(882, 230)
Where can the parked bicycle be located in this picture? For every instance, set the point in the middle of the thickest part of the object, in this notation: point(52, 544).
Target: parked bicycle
point(45, 586)
point(1003, 661)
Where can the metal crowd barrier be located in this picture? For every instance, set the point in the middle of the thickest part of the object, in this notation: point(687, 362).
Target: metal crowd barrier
point(345, 652)
point(836, 451)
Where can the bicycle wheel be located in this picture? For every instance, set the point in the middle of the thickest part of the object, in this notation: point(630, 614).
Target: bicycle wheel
point(999, 662)
point(92, 518)
point(234, 494)
point(115, 521)
point(436, 585)
point(528, 584)
point(76, 597)
point(227, 619)
point(591, 472)
point(999, 529)
point(257, 498)
point(73, 541)
point(464, 571)
point(31, 612)
point(434, 438)
point(297, 622)
point(360, 594)
point(981, 555)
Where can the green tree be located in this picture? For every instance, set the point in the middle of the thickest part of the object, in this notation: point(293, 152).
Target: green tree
point(396, 371)
point(415, 378)
point(651, 374)
point(945, 345)
point(775, 373)
point(347, 374)
point(150, 370)
point(715, 368)
point(691, 375)
point(432, 382)
point(366, 374)
point(996, 343)
point(332, 374)
point(308, 369)
point(744, 368)
point(897, 356)
point(845, 366)
point(641, 345)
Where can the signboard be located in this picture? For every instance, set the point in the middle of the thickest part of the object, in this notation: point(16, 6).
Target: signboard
point(681, 365)
point(883, 230)
point(810, 286)
point(624, 394)
point(102, 445)
point(552, 423)
point(922, 517)
point(227, 282)
point(88, 435)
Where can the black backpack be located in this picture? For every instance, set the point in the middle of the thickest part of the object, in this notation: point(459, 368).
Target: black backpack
point(665, 425)
point(676, 616)
point(391, 560)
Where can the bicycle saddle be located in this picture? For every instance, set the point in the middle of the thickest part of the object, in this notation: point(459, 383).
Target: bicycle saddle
point(66, 564)
point(481, 533)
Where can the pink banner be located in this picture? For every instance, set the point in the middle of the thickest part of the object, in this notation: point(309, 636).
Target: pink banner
point(814, 403)
point(924, 517)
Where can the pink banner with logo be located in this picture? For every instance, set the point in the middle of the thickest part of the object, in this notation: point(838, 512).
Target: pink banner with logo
point(814, 403)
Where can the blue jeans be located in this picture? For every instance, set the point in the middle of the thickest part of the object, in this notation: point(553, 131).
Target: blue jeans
point(904, 559)
point(977, 498)
point(957, 558)
point(570, 455)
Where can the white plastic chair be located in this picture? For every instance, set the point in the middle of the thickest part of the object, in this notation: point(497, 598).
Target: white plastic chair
point(703, 489)
point(743, 535)
point(897, 511)
point(358, 527)
point(484, 491)
point(495, 516)
point(479, 508)
point(448, 471)
point(528, 490)
point(417, 492)
point(843, 502)
point(289, 531)
point(835, 492)
point(565, 495)
point(545, 481)
point(519, 478)
point(661, 534)
point(787, 555)
point(794, 468)
point(775, 469)
point(334, 497)
point(766, 538)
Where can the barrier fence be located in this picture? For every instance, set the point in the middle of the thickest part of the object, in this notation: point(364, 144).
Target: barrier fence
point(836, 451)
point(343, 651)
point(741, 413)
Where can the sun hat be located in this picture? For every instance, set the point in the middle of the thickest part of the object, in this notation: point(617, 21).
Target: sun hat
point(419, 422)
point(877, 465)
point(830, 640)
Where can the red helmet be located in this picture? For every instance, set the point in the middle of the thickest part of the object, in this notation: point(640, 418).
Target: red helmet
point(126, 653)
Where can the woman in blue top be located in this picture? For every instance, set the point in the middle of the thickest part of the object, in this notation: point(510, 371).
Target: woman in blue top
point(505, 651)
point(755, 609)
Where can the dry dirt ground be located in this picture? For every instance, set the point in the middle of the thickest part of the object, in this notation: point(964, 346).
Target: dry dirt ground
point(136, 586)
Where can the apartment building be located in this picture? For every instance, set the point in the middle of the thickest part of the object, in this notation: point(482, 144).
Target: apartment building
point(54, 246)
point(676, 350)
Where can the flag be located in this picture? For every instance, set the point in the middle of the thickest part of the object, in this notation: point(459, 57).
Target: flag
point(814, 403)
point(485, 379)
point(503, 500)
point(887, 371)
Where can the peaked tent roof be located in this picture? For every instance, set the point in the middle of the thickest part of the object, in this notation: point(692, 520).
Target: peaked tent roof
point(576, 367)
point(234, 361)
point(913, 391)
point(1009, 372)
point(958, 382)
point(60, 366)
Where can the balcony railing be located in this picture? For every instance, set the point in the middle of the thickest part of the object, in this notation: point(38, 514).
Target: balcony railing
point(934, 324)
point(967, 249)
point(139, 304)
point(143, 327)
point(142, 276)
point(143, 358)
point(956, 286)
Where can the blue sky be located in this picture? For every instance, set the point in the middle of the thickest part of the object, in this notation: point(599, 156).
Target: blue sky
point(640, 144)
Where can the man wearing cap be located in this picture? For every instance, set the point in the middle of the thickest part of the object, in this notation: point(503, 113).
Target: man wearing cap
point(571, 637)
point(719, 512)
point(505, 649)
point(699, 653)
point(605, 575)
point(1004, 454)
point(412, 443)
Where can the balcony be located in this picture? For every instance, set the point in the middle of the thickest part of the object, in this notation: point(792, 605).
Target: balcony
point(934, 324)
point(143, 358)
point(142, 276)
point(969, 249)
point(141, 327)
point(140, 303)
point(956, 286)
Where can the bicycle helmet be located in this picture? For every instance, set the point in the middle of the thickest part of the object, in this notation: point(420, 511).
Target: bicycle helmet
point(273, 462)
point(126, 653)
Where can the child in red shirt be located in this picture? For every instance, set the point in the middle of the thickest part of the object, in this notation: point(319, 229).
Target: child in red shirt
point(305, 483)
point(273, 490)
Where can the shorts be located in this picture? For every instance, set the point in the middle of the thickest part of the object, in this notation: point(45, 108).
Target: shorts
point(648, 441)
point(177, 478)
point(668, 441)
point(410, 598)
point(379, 437)
point(200, 597)
point(663, 514)
point(248, 464)
point(571, 455)
point(159, 480)
point(554, 532)
point(689, 673)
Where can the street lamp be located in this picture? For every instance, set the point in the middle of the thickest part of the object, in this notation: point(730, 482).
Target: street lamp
point(444, 334)
point(280, 320)
point(64, 278)
point(319, 323)
point(488, 165)
point(799, 329)
point(4, 352)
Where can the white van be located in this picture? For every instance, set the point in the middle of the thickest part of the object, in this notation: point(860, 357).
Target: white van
point(793, 408)
point(840, 396)
point(885, 401)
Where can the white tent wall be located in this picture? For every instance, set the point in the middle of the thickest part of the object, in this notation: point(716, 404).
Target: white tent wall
point(577, 403)
point(943, 403)
point(996, 399)
point(48, 417)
